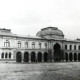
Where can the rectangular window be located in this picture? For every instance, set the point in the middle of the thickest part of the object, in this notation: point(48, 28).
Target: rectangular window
point(26, 45)
point(6, 43)
point(78, 47)
point(33, 46)
point(65, 47)
point(74, 47)
point(39, 45)
point(45, 45)
point(19, 45)
point(70, 47)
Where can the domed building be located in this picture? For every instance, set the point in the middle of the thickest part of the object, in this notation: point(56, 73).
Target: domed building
point(49, 45)
point(51, 32)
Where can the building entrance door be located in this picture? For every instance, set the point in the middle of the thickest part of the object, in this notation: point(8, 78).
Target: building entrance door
point(57, 53)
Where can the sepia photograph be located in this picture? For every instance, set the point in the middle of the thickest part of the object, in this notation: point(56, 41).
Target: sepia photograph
point(39, 39)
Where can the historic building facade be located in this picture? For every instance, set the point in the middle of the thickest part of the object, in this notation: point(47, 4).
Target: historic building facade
point(49, 45)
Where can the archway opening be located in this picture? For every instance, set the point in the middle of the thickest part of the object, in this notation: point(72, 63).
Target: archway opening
point(66, 56)
point(57, 52)
point(2, 56)
point(45, 57)
point(70, 56)
point(33, 57)
point(78, 56)
point(26, 57)
point(6, 55)
point(39, 57)
point(75, 57)
point(10, 55)
point(18, 57)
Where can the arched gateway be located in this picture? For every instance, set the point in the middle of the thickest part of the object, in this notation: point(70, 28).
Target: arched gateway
point(57, 52)
point(26, 57)
point(70, 56)
point(75, 57)
point(78, 56)
point(39, 57)
point(66, 56)
point(18, 57)
point(33, 57)
point(45, 56)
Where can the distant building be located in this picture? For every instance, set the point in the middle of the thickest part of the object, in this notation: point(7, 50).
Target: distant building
point(49, 45)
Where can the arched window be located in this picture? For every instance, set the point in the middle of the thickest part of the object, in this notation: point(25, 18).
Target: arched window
point(39, 45)
point(10, 55)
point(2, 56)
point(6, 43)
point(45, 45)
point(74, 47)
point(19, 44)
point(6, 55)
point(33, 45)
point(26, 44)
point(79, 47)
point(66, 47)
point(70, 47)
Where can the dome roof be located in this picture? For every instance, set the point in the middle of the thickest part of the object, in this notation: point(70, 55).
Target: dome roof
point(50, 31)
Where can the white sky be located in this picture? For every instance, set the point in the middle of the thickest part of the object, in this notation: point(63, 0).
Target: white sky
point(27, 17)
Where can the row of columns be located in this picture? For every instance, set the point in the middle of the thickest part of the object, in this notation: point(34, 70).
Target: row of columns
point(36, 56)
point(73, 56)
point(67, 57)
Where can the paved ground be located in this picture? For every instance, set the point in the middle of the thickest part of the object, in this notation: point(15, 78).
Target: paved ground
point(40, 71)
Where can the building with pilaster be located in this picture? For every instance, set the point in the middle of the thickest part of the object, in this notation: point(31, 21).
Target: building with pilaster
point(48, 45)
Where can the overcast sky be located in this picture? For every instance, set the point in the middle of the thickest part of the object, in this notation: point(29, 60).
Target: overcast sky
point(27, 17)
